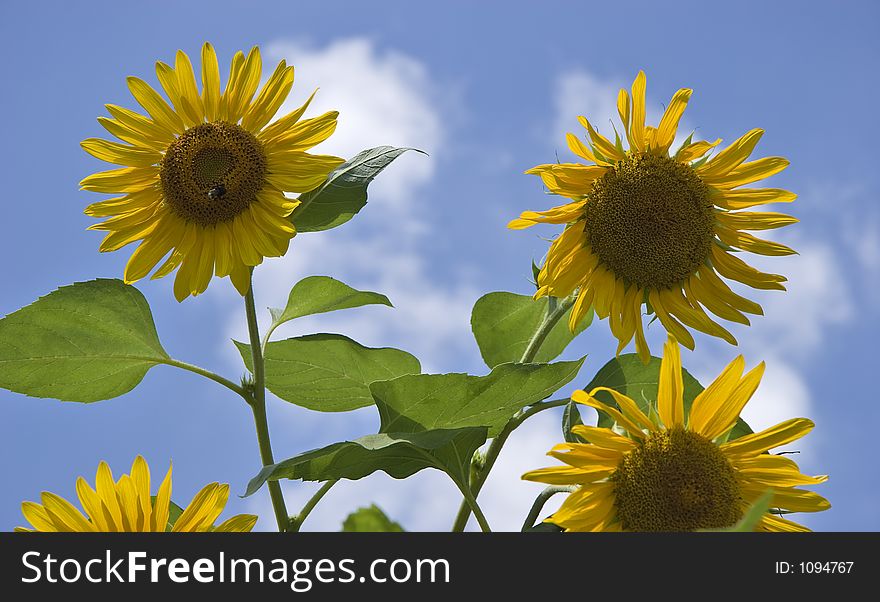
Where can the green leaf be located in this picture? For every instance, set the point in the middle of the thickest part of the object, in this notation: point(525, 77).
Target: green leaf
point(752, 517)
point(370, 519)
point(322, 294)
point(503, 323)
point(397, 454)
point(571, 417)
point(640, 382)
point(344, 193)
point(84, 342)
point(328, 372)
point(448, 401)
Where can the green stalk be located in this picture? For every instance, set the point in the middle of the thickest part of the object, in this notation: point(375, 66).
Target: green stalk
point(540, 501)
point(208, 374)
point(258, 405)
point(297, 521)
point(555, 311)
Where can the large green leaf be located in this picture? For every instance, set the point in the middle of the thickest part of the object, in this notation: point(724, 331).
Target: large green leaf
point(344, 193)
point(504, 322)
point(432, 401)
point(370, 519)
point(328, 372)
point(640, 382)
point(321, 294)
point(84, 342)
point(397, 454)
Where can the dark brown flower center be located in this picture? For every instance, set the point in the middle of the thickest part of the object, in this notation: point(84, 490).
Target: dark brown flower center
point(650, 221)
point(212, 172)
point(676, 480)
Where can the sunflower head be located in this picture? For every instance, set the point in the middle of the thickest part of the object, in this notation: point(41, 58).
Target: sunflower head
point(204, 173)
point(645, 226)
point(667, 470)
point(125, 505)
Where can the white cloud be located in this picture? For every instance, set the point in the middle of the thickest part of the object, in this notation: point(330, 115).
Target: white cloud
point(818, 298)
point(383, 98)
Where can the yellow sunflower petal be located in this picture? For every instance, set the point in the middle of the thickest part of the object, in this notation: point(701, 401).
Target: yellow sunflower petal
point(568, 475)
point(717, 288)
point(106, 489)
point(127, 179)
point(731, 157)
point(730, 406)
point(799, 500)
point(121, 154)
point(774, 471)
point(623, 109)
point(603, 437)
point(628, 424)
point(186, 86)
point(582, 150)
point(670, 391)
point(146, 127)
point(140, 476)
point(64, 515)
point(710, 399)
point(736, 269)
point(241, 278)
point(37, 516)
point(563, 214)
point(695, 150)
point(776, 523)
point(669, 122)
point(628, 408)
point(637, 127)
point(696, 291)
point(158, 109)
point(269, 99)
point(240, 523)
point(692, 315)
point(210, 82)
point(194, 515)
point(743, 198)
point(162, 505)
point(775, 436)
point(94, 508)
point(753, 244)
point(671, 325)
point(600, 142)
point(748, 173)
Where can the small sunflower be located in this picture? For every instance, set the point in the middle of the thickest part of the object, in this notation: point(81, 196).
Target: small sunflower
point(126, 506)
point(674, 472)
point(646, 226)
point(205, 176)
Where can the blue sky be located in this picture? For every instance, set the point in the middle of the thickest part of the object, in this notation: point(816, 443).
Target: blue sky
point(488, 89)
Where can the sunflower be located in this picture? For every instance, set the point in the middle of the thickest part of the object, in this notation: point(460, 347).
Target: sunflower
point(126, 505)
point(669, 471)
point(654, 227)
point(205, 176)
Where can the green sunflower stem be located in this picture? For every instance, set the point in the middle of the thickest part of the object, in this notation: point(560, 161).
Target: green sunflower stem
point(297, 521)
point(555, 310)
point(258, 405)
point(538, 505)
point(472, 504)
